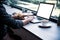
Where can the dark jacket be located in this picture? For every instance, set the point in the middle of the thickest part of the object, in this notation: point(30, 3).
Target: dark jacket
point(7, 21)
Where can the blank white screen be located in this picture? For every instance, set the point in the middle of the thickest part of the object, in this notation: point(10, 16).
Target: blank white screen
point(45, 10)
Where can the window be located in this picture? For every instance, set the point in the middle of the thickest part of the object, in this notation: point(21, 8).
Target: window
point(56, 10)
point(33, 5)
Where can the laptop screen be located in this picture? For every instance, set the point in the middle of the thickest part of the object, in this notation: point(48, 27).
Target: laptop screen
point(45, 10)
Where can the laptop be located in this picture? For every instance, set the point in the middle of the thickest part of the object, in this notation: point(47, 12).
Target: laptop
point(44, 11)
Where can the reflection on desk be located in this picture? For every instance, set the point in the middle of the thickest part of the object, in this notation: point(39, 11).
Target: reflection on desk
point(52, 33)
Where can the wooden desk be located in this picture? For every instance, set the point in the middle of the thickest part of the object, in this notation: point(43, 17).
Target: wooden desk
point(52, 33)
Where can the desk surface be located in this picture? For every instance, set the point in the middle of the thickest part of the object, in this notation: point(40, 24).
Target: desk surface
point(11, 10)
point(52, 33)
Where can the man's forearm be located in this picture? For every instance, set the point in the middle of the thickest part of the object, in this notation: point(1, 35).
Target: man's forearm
point(26, 21)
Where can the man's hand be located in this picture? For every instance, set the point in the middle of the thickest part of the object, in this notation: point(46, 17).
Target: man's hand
point(18, 16)
point(21, 16)
point(28, 19)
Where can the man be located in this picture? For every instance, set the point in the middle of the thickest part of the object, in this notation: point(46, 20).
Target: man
point(7, 21)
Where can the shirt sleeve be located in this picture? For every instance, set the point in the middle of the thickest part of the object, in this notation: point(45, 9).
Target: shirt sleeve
point(5, 18)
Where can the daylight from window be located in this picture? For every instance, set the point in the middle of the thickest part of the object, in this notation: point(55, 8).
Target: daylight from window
point(33, 5)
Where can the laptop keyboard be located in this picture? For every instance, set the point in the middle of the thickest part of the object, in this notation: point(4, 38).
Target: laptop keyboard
point(39, 18)
point(36, 19)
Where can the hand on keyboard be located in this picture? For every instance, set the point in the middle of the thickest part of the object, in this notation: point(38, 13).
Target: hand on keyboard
point(30, 18)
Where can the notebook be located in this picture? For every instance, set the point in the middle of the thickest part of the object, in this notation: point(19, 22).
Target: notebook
point(44, 11)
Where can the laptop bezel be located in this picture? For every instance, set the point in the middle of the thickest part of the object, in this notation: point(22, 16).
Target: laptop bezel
point(51, 10)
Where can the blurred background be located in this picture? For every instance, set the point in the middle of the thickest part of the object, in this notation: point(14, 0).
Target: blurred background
point(33, 5)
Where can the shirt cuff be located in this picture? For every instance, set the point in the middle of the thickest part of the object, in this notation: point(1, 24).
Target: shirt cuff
point(20, 23)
